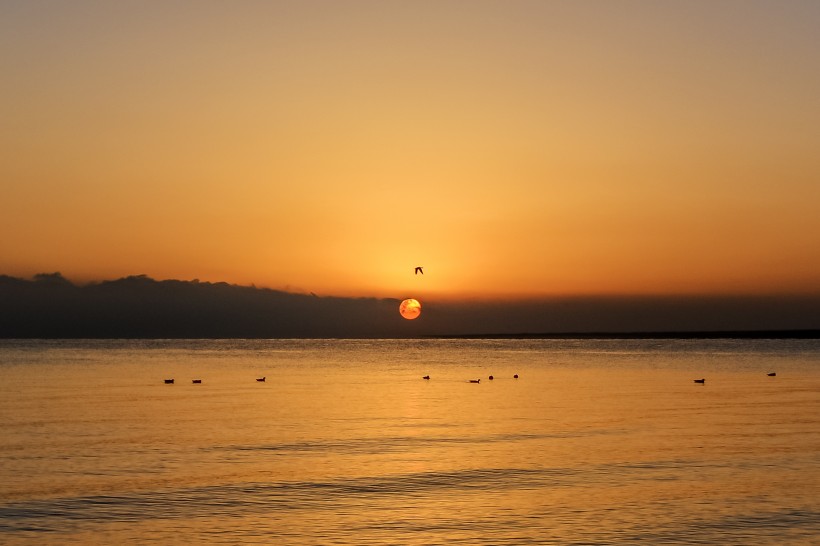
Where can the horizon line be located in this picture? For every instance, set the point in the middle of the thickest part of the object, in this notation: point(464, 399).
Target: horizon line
point(805, 333)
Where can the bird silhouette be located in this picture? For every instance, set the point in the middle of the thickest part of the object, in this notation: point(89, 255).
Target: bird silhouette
point(419, 270)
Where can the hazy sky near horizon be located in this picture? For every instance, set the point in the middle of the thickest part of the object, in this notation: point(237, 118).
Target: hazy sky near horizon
point(511, 148)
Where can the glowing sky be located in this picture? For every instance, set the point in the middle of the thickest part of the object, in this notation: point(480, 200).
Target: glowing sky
point(511, 148)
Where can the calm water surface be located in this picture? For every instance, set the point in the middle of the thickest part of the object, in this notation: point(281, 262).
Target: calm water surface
point(597, 442)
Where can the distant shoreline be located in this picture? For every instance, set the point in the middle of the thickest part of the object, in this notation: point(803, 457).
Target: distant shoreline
point(728, 334)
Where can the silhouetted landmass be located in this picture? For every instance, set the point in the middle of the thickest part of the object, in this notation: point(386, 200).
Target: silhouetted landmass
point(50, 306)
point(140, 307)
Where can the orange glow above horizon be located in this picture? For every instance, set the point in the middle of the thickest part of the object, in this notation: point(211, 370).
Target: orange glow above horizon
point(514, 150)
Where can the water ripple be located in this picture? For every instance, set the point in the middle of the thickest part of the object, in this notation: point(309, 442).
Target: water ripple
point(236, 500)
point(384, 444)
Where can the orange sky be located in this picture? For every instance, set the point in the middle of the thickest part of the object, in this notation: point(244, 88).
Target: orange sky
point(511, 148)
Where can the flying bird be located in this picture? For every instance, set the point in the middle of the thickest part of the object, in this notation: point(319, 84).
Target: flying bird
point(419, 270)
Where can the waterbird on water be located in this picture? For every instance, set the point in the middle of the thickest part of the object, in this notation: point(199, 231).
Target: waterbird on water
point(261, 379)
point(700, 381)
point(490, 378)
point(169, 381)
point(419, 270)
point(771, 374)
point(196, 381)
point(475, 381)
point(515, 376)
point(426, 377)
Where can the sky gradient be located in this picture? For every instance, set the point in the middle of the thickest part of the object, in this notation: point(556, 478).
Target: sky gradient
point(514, 149)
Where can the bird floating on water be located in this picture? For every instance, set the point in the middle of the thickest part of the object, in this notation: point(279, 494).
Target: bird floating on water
point(419, 270)
point(169, 381)
point(475, 381)
point(771, 374)
point(515, 376)
point(700, 381)
point(196, 381)
point(490, 378)
point(426, 377)
point(261, 379)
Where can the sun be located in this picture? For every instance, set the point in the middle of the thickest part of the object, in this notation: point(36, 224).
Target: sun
point(410, 309)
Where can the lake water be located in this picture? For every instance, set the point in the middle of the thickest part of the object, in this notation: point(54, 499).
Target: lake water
point(596, 442)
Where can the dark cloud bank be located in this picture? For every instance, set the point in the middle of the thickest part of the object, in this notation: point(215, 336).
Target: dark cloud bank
point(49, 306)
